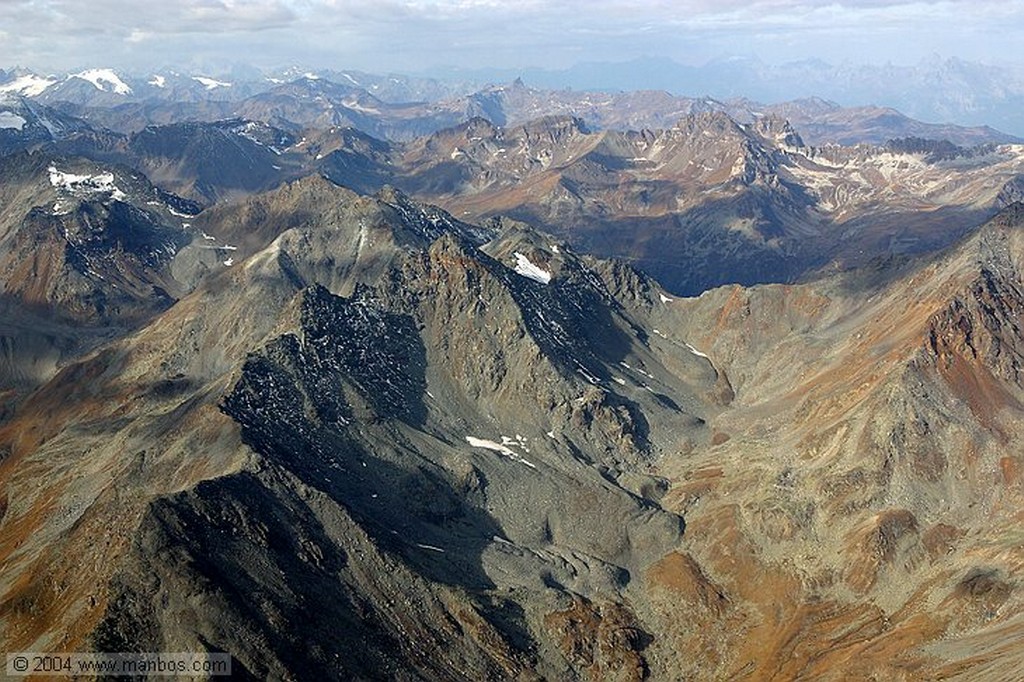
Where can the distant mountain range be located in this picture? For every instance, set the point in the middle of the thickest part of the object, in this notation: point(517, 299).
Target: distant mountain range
point(655, 96)
point(936, 90)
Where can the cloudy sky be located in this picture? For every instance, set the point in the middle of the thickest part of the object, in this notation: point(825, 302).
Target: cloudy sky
point(413, 35)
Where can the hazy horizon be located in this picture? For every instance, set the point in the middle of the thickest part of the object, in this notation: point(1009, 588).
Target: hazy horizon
point(506, 73)
point(414, 36)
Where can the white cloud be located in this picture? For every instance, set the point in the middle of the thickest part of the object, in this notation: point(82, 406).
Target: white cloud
point(414, 34)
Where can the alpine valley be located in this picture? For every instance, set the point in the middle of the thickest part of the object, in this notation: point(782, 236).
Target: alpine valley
point(373, 377)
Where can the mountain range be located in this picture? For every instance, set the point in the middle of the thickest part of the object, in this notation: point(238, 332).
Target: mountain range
point(935, 89)
point(403, 107)
point(712, 197)
point(538, 398)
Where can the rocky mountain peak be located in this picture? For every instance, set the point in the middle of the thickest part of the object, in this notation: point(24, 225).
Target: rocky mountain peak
point(714, 123)
point(478, 126)
point(556, 127)
point(778, 131)
point(428, 222)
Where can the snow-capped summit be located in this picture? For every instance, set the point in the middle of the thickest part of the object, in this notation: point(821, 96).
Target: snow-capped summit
point(104, 79)
point(102, 183)
point(29, 85)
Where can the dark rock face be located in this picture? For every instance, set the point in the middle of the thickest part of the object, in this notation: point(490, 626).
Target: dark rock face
point(277, 573)
point(298, 391)
point(123, 229)
point(381, 505)
point(211, 161)
point(86, 253)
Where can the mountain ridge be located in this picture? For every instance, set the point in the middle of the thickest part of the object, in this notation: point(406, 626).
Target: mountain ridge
point(423, 392)
point(308, 99)
point(701, 196)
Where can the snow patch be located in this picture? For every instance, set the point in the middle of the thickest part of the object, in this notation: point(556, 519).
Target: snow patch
point(85, 184)
point(29, 86)
point(500, 449)
point(158, 81)
point(518, 441)
point(664, 298)
point(527, 269)
point(587, 374)
point(637, 370)
point(697, 352)
point(50, 126)
point(11, 121)
point(430, 547)
point(210, 83)
point(229, 262)
point(354, 105)
point(105, 80)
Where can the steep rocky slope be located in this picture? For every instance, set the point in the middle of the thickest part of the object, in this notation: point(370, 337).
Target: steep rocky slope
point(386, 443)
point(867, 468)
point(215, 161)
point(85, 255)
point(402, 460)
